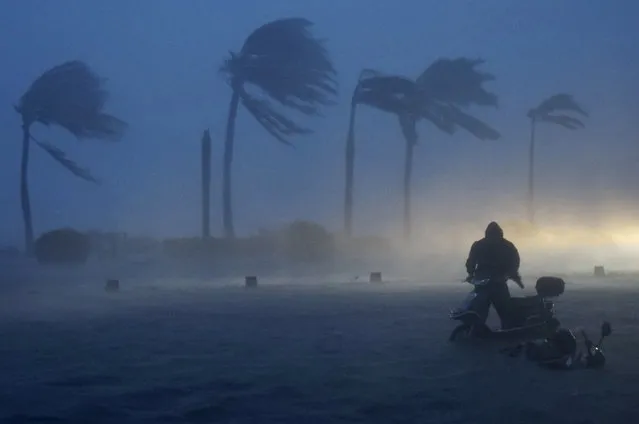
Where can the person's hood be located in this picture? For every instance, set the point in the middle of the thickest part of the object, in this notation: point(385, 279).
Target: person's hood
point(494, 231)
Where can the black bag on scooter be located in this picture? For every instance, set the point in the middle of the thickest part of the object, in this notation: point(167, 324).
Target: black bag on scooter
point(558, 351)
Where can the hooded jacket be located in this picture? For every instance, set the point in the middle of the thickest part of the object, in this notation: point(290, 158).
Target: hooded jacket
point(493, 256)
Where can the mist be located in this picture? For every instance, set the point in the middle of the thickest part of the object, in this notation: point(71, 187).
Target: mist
point(183, 338)
point(163, 80)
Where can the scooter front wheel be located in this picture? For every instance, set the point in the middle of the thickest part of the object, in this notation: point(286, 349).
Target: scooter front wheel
point(461, 331)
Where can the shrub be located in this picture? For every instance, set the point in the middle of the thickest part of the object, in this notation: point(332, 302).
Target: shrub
point(300, 241)
point(62, 246)
point(305, 241)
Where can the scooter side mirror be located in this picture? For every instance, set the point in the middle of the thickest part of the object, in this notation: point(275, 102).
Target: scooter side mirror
point(606, 329)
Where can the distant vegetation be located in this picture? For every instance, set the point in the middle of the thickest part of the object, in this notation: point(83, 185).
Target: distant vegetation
point(301, 242)
point(297, 243)
point(284, 61)
point(281, 68)
point(439, 95)
point(70, 96)
point(62, 246)
point(558, 110)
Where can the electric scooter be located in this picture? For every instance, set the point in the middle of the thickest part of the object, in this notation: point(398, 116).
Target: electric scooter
point(532, 316)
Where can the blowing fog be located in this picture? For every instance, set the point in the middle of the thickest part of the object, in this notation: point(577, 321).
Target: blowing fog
point(173, 149)
point(149, 188)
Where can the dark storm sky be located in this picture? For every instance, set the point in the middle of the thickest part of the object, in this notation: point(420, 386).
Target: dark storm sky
point(161, 59)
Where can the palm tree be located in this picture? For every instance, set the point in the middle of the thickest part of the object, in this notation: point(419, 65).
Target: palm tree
point(388, 93)
point(70, 96)
point(439, 95)
point(290, 66)
point(206, 184)
point(552, 110)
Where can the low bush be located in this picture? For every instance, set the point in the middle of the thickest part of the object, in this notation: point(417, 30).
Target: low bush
point(300, 241)
point(62, 246)
point(304, 241)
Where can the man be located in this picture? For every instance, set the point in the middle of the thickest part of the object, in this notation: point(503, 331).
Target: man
point(496, 258)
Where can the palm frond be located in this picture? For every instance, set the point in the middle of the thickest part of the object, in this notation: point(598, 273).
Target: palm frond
point(287, 63)
point(100, 126)
point(559, 102)
point(389, 93)
point(71, 96)
point(477, 128)
point(437, 96)
point(275, 123)
point(563, 120)
point(457, 81)
point(59, 156)
point(439, 115)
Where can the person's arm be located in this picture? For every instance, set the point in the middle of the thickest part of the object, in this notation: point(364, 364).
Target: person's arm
point(515, 262)
point(471, 262)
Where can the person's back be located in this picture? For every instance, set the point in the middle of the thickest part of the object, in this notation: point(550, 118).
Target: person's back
point(493, 256)
point(496, 258)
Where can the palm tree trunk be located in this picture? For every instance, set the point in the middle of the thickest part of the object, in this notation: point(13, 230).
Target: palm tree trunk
point(409, 130)
point(531, 173)
point(24, 191)
point(350, 172)
point(206, 185)
point(227, 213)
point(408, 175)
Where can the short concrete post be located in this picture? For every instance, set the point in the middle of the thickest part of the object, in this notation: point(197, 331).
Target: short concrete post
point(599, 271)
point(375, 277)
point(112, 285)
point(250, 282)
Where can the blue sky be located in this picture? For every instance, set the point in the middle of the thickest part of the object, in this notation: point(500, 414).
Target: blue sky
point(161, 60)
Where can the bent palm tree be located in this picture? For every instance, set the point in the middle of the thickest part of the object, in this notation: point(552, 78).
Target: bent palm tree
point(388, 93)
point(289, 65)
point(70, 96)
point(439, 95)
point(551, 110)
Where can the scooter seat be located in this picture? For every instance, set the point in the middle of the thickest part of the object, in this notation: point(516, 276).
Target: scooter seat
point(525, 306)
point(525, 301)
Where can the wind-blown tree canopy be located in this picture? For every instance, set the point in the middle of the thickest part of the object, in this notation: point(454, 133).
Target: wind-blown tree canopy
point(561, 110)
point(448, 87)
point(556, 109)
point(439, 95)
point(72, 97)
point(288, 66)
